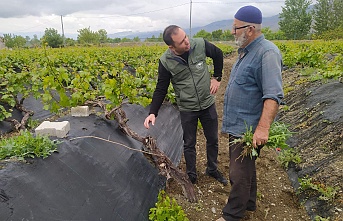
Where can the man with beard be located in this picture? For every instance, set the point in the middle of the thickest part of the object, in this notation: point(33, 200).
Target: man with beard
point(184, 65)
point(252, 98)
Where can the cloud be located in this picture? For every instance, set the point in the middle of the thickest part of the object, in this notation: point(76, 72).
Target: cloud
point(116, 16)
point(21, 8)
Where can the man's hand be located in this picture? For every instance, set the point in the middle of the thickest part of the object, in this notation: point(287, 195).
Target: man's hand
point(260, 136)
point(214, 86)
point(151, 118)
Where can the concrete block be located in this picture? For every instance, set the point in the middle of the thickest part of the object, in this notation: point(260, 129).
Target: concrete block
point(80, 111)
point(56, 129)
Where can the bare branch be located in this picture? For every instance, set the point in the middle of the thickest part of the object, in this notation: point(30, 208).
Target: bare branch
point(152, 152)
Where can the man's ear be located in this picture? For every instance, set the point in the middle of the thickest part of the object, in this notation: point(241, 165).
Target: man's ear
point(171, 47)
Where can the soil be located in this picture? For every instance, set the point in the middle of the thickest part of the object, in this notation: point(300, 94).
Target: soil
point(318, 140)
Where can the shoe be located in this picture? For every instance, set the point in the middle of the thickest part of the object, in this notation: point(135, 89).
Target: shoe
point(218, 176)
point(252, 209)
point(220, 219)
point(193, 179)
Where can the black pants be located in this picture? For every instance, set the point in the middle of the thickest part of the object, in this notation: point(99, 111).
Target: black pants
point(209, 121)
point(242, 173)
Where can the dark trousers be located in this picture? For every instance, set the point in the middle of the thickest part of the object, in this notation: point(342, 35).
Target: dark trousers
point(242, 173)
point(209, 122)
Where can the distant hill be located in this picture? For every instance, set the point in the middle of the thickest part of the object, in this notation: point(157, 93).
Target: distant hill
point(271, 22)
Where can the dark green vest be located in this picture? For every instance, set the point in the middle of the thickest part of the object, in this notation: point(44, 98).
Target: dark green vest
point(191, 81)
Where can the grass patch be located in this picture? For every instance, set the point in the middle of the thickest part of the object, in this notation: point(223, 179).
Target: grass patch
point(26, 145)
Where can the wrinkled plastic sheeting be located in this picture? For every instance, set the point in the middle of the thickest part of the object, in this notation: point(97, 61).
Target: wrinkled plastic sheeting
point(325, 94)
point(31, 104)
point(92, 179)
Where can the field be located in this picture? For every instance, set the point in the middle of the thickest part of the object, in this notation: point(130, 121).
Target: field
point(63, 78)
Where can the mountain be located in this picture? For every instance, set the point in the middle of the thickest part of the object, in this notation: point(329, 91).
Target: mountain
point(131, 35)
point(271, 22)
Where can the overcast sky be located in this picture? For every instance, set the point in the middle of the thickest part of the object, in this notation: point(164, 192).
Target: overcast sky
point(24, 16)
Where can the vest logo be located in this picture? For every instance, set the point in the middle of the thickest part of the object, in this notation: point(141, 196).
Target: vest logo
point(200, 65)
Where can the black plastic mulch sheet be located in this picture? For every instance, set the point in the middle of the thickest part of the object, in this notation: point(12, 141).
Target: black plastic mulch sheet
point(29, 103)
point(91, 179)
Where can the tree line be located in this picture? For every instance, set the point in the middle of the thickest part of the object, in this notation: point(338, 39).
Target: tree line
point(298, 20)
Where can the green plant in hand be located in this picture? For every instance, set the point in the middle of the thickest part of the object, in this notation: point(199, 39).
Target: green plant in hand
point(167, 209)
point(278, 135)
point(26, 145)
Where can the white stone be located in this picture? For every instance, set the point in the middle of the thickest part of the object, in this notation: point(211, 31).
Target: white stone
point(80, 111)
point(56, 129)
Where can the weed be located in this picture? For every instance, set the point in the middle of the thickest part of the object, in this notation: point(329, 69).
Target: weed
point(286, 90)
point(199, 207)
point(326, 121)
point(301, 81)
point(166, 209)
point(316, 77)
point(327, 193)
point(285, 107)
point(308, 71)
point(287, 156)
point(32, 123)
point(308, 93)
point(334, 74)
point(26, 145)
point(259, 195)
point(319, 218)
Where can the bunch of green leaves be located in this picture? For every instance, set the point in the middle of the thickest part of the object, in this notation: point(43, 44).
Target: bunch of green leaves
point(287, 156)
point(319, 218)
point(326, 193)
point(26, 145)
point(166, 209)
point(278, 135)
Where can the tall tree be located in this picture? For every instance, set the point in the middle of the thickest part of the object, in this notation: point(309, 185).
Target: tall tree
point(14, 41)
point(52, 38)
point(227, 36)
point(338, 13)
point(322, 16)
point(203, 34)
point(102, 36)
point(268, 33)
point(70, 42)
point(136, 39)
point(35, 41)
point(216, 34)
point(295, 20)
point(125, 39)
point(87, 36)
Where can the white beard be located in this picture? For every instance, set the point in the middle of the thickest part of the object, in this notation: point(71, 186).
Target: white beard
point(241, 40)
